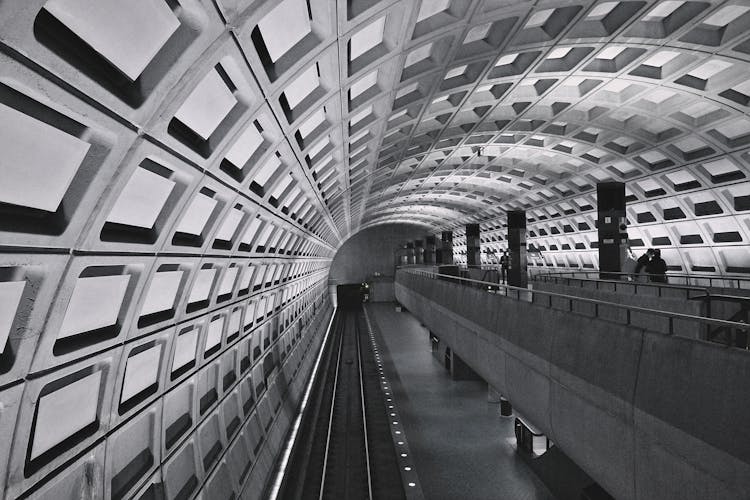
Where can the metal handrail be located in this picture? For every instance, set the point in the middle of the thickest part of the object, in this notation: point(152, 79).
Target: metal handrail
point(732, 279)
point(722, 297)
point(671, 316)
point(546, 278)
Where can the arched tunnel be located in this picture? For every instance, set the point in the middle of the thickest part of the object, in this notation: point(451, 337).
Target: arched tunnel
point(177, 177)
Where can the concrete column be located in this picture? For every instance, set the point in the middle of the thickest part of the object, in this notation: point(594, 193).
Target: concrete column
point(410, 258)
point(506, 409)
point(446, 248)
point(473, 255)
point(419, 251)
point(517, 248)
point(612, 226)
point(429, 250)
point(493, 396)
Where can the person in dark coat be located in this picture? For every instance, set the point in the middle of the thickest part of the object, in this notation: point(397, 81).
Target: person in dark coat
point(657, 268)
point(504, 265)
point(643, 260)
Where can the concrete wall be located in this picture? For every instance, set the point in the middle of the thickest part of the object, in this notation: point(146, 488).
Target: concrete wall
point(649, 416)
point(154, 342)
point(672, 300)
point(370, 251)
point(382, 291)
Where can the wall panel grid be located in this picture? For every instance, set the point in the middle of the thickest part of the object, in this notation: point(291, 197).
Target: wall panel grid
point(135, 358)
point(104, 406)
point(96, 91)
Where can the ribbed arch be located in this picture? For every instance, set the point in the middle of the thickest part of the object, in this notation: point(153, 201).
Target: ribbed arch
point(178, 174)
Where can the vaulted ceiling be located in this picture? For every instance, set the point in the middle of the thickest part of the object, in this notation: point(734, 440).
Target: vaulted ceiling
point(177, 175)
point(447, 112)
point(341, 115)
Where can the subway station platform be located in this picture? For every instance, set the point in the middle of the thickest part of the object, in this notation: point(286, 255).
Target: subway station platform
point(461, 446)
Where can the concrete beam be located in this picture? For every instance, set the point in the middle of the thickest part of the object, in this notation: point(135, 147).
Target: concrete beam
point(645, 414)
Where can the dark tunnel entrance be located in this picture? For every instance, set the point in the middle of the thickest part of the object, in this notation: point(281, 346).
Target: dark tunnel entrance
point(350, 296)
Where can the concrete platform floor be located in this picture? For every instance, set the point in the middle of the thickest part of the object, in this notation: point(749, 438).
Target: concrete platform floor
point(461, 447)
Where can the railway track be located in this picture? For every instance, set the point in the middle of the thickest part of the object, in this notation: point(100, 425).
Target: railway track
point(347, 452)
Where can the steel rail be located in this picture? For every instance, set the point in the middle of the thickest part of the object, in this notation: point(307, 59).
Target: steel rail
point(330, 432)
point(571, 298)
point(330, 416)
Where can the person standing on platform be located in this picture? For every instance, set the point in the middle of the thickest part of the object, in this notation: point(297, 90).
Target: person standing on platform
point(504, 265)
point(643, 261)
point(657, 268)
